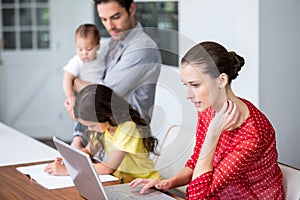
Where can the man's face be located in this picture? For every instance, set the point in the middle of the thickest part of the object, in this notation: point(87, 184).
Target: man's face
point(116, 19)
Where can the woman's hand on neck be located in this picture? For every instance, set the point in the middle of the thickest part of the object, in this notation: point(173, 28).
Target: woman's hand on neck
point(242, 111)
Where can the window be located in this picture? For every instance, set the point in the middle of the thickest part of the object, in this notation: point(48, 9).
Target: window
point(160, 20)
point(25, 24)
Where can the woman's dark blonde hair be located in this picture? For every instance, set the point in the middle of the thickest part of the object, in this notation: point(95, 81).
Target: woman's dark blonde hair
point(213, 59)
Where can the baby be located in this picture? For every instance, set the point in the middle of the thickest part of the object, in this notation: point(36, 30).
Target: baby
point(87, 64)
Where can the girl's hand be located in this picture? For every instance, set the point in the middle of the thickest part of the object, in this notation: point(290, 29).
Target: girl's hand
point(57, 168)
point(149, 183)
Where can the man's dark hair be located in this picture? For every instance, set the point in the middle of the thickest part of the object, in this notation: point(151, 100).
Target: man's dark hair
point(124, 3)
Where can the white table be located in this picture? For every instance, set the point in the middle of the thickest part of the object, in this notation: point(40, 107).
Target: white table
point(18, 148)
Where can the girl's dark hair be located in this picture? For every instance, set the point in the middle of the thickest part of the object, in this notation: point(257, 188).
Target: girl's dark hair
point(213, 59)
point(85, 30)
point(124, 3)
point(98, 103)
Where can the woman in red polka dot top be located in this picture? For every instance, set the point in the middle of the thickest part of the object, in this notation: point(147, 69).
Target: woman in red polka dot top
point(235, 155)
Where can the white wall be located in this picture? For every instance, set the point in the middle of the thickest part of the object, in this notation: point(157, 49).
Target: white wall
point(265, 33)
point(234, 24)
point(30, 81)
point(43, 115)
point(279, 73)
point(171, 106)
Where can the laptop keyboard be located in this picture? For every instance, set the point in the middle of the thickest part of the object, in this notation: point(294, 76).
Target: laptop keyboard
point(132, 194)
point(113, 194)
point(117, 195)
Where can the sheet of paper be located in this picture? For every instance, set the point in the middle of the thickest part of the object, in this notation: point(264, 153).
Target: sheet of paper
point(36, 172)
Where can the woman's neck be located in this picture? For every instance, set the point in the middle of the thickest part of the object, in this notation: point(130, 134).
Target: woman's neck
point(241, 107)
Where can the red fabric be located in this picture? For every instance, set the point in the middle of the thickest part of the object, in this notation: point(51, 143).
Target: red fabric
point(245, 161)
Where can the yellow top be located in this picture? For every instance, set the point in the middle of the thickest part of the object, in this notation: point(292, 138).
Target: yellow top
point(136, 163)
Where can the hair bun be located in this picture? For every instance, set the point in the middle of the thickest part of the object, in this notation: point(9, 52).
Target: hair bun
point(238, 63)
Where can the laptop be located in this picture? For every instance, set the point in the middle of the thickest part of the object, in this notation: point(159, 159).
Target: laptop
point(87, 181)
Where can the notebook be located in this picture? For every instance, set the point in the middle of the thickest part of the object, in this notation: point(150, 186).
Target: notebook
point(87, 182)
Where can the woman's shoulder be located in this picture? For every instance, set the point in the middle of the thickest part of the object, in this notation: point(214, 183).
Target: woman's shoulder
point(253, 110)
point(257, 119)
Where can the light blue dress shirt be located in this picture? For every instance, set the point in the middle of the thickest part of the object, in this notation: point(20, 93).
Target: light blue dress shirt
point(132, 69)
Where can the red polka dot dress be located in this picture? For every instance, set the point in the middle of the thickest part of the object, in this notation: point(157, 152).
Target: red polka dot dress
point(245, 161)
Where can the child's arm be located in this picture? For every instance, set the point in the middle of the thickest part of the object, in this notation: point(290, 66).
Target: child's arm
point(112, 164)
point(80, 84)
point(109, 166)
point(68, 85)
point(77, 142)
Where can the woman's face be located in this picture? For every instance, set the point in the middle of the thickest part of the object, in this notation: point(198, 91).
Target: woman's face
point(202, 90)
point(95, 126)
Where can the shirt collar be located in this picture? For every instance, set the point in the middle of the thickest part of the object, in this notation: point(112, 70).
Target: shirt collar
point(137, 30)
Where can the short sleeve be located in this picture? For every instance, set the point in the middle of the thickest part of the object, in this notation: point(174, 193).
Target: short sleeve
point(73, 65)
point(128, 139)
